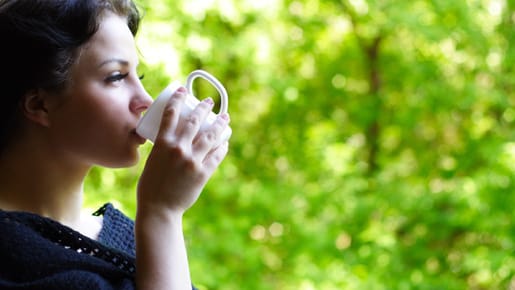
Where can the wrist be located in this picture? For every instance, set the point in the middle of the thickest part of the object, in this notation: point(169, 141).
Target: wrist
point(154, 216)
point(161, 257)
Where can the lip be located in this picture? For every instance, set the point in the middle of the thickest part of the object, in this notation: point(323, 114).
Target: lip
point(138, 138)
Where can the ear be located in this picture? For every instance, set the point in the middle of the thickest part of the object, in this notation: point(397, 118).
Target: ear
point(35, 107)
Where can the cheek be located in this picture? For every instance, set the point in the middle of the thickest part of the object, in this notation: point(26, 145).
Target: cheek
point(98, 137)
point(99, 124)
point(89, 117)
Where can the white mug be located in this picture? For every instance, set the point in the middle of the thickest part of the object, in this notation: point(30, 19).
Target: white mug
point(148, 125)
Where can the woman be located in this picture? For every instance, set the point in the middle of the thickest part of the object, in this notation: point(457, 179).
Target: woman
point(71, 98)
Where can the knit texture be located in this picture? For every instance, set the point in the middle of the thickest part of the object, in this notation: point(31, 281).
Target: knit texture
point(118, 230)
point(39, 253)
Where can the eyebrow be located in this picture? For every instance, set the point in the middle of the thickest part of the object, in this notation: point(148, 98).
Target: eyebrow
point(117, 60)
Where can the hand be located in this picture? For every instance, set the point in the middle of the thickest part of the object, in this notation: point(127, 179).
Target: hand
point(183, 158)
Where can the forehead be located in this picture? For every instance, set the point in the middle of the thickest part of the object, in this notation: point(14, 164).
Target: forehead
point(113, 40)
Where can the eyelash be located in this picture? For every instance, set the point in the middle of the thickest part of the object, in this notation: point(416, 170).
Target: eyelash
point(116, 77)
point(119, 77)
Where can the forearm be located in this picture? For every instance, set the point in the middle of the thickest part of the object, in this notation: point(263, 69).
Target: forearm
point(161, 257)
point(181, 162)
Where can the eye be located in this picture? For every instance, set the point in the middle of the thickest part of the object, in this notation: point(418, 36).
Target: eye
point(116, 77)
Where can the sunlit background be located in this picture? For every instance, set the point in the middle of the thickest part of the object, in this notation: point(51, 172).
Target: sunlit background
point(373, 141)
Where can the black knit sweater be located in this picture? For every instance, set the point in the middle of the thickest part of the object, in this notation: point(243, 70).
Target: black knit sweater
point(39, 253)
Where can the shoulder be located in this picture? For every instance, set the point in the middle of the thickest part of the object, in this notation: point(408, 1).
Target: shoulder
point(37, 248)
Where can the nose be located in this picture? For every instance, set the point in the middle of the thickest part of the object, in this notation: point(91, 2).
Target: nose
point(141, 100)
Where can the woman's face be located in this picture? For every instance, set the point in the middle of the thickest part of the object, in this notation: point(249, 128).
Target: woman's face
point(95, 119)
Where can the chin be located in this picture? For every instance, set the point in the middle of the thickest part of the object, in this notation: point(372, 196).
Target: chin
point(122, 162)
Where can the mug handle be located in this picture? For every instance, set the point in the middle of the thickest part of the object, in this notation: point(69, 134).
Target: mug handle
point(224, 99)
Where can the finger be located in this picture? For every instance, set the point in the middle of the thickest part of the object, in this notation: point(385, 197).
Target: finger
point(171, 114)
point(215, 157)
point(207, 138)
point(190, 125)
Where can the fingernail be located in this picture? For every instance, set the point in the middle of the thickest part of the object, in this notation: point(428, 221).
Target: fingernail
point(209, 101)
point(181, 90)
point(225, 117)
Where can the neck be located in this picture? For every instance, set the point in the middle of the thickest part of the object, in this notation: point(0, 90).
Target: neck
point(41, 182)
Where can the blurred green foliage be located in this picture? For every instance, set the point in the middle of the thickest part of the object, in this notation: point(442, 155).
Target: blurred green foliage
point(373, 141)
